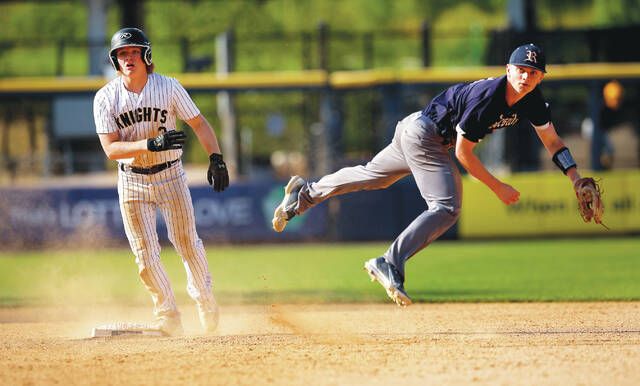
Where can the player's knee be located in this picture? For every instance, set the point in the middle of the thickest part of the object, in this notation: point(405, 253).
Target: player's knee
point(183, 238)
point(184, 241)
point(455, 212)
point(146, 258)
point(449, 211)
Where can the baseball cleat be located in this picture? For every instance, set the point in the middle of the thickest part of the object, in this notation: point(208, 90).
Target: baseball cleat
point(389, 277)
point(286, 210)
point(209, 318)
point(170, 325)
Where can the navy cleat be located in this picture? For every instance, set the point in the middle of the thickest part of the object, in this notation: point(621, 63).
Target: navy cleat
point(389, 277)
point(286, 210)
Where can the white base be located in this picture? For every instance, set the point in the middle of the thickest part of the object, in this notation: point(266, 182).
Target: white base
point(126, 329)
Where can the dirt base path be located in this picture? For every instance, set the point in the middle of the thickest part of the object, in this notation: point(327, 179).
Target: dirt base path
point(497, 343)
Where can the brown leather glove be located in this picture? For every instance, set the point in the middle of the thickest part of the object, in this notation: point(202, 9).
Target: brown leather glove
point(589, 197)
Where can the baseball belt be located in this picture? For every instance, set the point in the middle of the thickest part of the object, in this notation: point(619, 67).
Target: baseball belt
point(150, 170)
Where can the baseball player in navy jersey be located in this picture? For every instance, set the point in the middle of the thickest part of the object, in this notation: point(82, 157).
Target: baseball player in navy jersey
point(135, 116)
point(459, 117)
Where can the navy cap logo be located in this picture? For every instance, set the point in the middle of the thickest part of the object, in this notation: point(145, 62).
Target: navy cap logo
point(125, 35)
point(532, 56)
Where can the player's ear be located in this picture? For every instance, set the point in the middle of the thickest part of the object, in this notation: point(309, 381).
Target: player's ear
point(509, 68)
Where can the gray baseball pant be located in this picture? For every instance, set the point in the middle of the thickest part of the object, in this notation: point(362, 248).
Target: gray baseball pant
point(416, 148)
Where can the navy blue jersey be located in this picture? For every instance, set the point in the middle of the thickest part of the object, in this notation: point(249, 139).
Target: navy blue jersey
point(476, 109)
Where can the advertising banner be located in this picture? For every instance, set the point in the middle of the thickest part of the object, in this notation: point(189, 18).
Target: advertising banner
point(34, 217)
point(548, 206)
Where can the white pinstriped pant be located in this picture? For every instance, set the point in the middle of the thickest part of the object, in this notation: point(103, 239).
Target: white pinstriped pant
point(140, 195)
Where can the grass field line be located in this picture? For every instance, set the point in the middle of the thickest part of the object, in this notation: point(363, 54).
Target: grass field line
point(489, 271)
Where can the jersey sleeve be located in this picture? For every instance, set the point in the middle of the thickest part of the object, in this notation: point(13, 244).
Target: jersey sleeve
point(185, 108)
point(538, 111)
point(103, 114)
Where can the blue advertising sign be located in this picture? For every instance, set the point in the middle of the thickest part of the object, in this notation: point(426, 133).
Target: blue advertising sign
point(36, 217)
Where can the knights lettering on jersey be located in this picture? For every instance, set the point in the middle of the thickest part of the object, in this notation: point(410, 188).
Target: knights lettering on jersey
point(141, 114)
point(505, 121)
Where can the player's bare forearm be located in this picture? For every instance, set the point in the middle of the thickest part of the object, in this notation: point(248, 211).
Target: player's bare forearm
point(553, 143)
point(549, 138)
point(205, 134)
point(473, 165)
point(464, 152)
point(116, 149)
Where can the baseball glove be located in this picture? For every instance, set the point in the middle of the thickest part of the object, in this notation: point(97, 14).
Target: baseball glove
point(589, 200)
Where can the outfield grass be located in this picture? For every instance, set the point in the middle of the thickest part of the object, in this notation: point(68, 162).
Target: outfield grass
point(532, 270)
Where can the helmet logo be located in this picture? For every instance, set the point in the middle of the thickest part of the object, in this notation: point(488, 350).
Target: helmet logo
point(532, 56)
point(125, 35)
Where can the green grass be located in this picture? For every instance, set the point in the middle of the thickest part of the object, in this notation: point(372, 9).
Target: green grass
point(531, 270)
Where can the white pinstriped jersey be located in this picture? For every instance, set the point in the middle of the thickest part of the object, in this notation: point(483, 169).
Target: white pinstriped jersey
point(140, 116)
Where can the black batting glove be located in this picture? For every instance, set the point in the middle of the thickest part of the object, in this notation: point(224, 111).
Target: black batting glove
point(217, 175)
point(170, 140)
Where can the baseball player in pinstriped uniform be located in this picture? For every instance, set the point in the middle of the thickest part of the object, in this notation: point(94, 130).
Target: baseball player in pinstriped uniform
point(458, 117)
point(135, 116)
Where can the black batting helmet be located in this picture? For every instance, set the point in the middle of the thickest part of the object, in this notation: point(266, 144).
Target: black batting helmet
point(127, 37)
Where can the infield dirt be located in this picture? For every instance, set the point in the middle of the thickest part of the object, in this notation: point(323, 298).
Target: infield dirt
point(462, 343)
